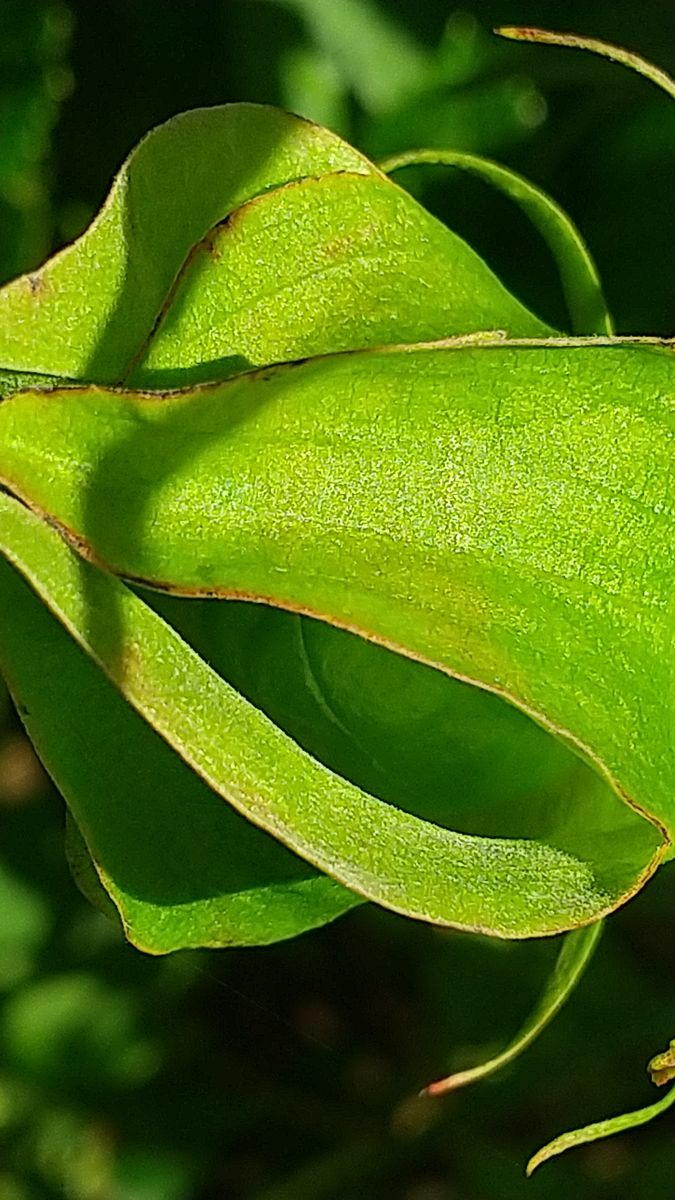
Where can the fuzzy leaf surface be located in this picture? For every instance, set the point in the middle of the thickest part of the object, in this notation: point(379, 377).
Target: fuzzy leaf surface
point(275, 486)
point(88, 310)
point(508, 887)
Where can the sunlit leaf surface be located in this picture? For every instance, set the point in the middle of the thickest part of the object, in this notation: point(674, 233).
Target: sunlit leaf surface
point(451, 514)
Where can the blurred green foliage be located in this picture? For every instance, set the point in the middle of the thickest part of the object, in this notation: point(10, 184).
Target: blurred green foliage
point(34, 39)
point(291, 1073)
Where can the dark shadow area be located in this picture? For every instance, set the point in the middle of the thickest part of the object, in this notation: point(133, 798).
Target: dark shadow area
point(145, 240)
point(161, 832)
point(411, 736)
point(213, 371)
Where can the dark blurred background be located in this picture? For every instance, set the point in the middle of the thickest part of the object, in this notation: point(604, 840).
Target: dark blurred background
point(291, 1073)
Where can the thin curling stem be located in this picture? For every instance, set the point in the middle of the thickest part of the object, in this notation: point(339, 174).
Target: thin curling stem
point(524, 33)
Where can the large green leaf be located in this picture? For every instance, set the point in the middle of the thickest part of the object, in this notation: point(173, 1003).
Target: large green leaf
point(525, 516)
point(198, 264)
point(474, 512)
point(504, 886)
point(87, 312)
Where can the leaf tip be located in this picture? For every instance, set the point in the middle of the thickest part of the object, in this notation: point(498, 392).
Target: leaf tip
point(532, 1165)
point(524, 33)
point(509, 31)
point(551, 1150)
point(528, 33)
point(438, 1087)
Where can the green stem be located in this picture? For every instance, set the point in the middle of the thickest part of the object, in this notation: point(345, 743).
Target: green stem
point(523, 33)
point(600, 1129)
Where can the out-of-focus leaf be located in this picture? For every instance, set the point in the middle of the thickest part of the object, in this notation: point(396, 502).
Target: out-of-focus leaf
point(61, 1028)
point(34, 80)
point(145, 1173)
point(314, 88)
point(483, 119)
point(24, 925)
point(378, 58)
point(362, 67)
point(575, 953)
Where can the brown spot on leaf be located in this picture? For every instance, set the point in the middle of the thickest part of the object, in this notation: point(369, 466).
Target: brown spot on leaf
point(209, 244)
point(37, 284)
point(75, 540)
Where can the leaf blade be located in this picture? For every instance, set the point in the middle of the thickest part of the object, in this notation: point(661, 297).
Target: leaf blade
point(85, 313)
point(197, 516)
point(411, 866)
point(361, 273)
point(183, 869)
point(635, 62)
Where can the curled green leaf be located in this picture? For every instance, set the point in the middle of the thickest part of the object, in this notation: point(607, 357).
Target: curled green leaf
point(578, 273)
point(275, 486)
point(361, 274)
point(507, 887)
point(89, 309)
point(181, 868)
